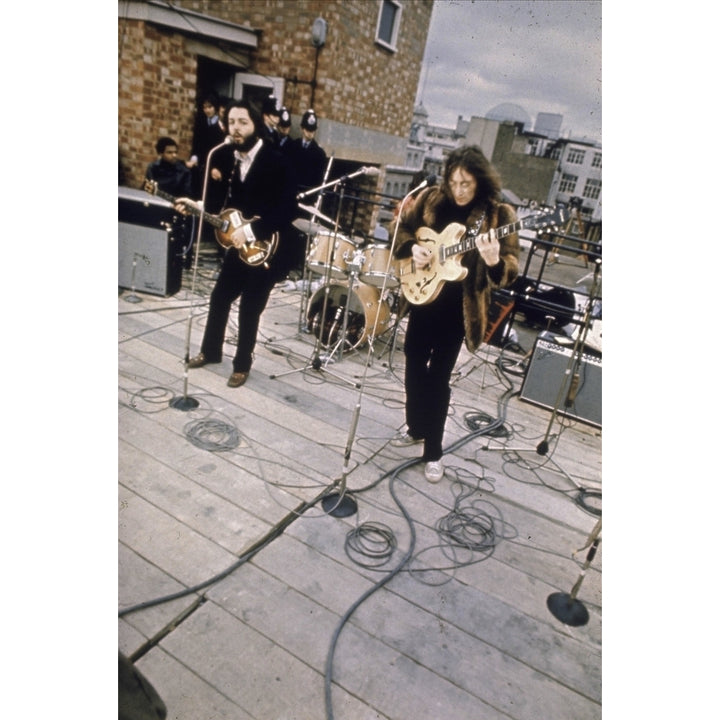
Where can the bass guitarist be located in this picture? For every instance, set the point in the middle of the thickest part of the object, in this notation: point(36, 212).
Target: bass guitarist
point(470, 195)
point(257, 183)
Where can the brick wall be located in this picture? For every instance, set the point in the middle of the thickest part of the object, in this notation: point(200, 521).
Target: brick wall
point(358, 82)
point(156, 95)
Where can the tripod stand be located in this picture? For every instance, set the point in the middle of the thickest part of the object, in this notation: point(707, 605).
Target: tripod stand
point(316, 362)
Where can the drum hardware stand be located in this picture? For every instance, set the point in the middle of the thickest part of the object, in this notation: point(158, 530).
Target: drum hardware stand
point(133, 298)
point(317, 363)
point(184, 402)
point(307, 273)
point(565, 606)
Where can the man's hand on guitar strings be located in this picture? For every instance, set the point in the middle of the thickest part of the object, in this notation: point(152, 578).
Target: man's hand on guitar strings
point(422, 257)
point(238, 237)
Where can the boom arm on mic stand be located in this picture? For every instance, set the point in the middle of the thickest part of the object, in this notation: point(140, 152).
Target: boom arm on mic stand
point(183, 402)
point(368, 170)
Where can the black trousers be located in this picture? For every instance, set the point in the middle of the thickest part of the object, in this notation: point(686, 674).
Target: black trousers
point(253, 286)
point(433, 339)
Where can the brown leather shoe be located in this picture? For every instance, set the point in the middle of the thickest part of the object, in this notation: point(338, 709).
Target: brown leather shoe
point(199, 360)
point(237, 379)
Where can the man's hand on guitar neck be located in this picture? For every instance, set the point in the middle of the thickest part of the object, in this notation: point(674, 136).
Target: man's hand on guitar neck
point(182, 204)
point(489, 247)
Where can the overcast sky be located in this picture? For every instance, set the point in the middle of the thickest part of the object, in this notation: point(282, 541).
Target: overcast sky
point(542, 56)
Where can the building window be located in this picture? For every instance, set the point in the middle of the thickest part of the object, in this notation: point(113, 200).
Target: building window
point(592, 189)
point(597, 160)
point(568, 183)
point(576, 157)
point(388, 24)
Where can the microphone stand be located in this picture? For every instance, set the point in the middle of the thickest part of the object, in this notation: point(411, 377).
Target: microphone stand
point(184, 402)
point(342, 504)
point(572, 370)
point(133, 298)
point(565, 606)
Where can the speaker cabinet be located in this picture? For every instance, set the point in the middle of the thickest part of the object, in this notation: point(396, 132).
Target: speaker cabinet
point(548, 370)
point(149, 259)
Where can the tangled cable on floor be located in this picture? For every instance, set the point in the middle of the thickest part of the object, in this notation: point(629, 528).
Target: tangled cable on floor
point(213, 435)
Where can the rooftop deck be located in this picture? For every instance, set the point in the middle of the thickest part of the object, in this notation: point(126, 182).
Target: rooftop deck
point(245, 593)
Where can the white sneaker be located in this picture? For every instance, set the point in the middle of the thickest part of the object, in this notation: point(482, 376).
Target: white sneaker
point(434, 471)
point(404, 439)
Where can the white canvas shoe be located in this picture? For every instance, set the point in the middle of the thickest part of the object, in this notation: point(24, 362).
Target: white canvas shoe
point(404, 439)
point(434, 471)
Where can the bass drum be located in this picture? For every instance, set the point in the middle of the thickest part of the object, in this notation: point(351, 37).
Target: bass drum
point(364, 310)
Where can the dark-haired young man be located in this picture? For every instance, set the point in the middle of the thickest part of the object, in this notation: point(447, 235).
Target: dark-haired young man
point(256, 181)
point(171, 175)
point(470, 195)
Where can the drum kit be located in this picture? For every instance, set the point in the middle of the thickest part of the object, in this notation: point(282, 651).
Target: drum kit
point(359, 279)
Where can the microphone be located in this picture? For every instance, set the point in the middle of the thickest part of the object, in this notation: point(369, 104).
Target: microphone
point(228, 140)
point(371, 171)
point(429, 180)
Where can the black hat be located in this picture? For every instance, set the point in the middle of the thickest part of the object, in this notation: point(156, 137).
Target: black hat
point(271, 106)
point(309, 121)
point(284, 118)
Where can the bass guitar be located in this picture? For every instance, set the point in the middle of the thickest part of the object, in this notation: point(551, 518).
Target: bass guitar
point(422, 285)
point(258, 252)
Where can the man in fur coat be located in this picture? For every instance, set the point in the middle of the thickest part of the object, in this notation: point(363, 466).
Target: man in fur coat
point(443, 313)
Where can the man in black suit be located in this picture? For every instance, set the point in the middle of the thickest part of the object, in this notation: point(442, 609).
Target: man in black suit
point(258, 183)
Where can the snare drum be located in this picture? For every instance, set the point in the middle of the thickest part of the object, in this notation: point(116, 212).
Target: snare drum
point(366, 313)
point(379, 265)
point(321, 254)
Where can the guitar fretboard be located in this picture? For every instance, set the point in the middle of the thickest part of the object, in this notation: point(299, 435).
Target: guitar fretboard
point(468, 240)
point(214, 220)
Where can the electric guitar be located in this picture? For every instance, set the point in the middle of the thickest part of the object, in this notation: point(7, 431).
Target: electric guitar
point(258, 252)
point(422, 286)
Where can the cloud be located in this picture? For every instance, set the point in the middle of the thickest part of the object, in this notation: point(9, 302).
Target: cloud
point(543, 56)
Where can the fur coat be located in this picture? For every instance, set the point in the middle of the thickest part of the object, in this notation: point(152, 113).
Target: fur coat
point(434, 210)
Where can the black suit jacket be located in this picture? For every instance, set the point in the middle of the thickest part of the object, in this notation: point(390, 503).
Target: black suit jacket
point(267, 192)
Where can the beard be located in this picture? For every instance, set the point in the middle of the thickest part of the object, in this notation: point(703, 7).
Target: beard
point(247, 144)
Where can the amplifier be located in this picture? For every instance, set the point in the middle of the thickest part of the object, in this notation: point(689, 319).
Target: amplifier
point(149, 258)
point(549, 368)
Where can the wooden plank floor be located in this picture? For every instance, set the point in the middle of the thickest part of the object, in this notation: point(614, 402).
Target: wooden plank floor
point(242, 597)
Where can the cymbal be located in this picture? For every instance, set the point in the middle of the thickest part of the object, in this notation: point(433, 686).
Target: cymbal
point(316, 213)
point(309, 228)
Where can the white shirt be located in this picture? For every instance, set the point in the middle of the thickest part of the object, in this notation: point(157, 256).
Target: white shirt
point(245, 161)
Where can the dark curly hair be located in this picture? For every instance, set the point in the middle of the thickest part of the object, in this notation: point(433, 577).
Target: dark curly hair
point(472, 159)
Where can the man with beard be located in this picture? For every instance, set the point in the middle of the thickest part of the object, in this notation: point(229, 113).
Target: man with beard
point(258, 184)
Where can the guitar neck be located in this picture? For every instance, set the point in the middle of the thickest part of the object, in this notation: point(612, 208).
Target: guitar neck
point(213, 220)
point(468, 240)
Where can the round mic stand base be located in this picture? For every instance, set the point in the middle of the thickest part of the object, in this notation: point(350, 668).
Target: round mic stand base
point(567, 609)
point(183, 402)
point(339, 505)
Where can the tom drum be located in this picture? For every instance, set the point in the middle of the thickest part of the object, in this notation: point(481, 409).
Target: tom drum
point(379, 265)
point(321, 254)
